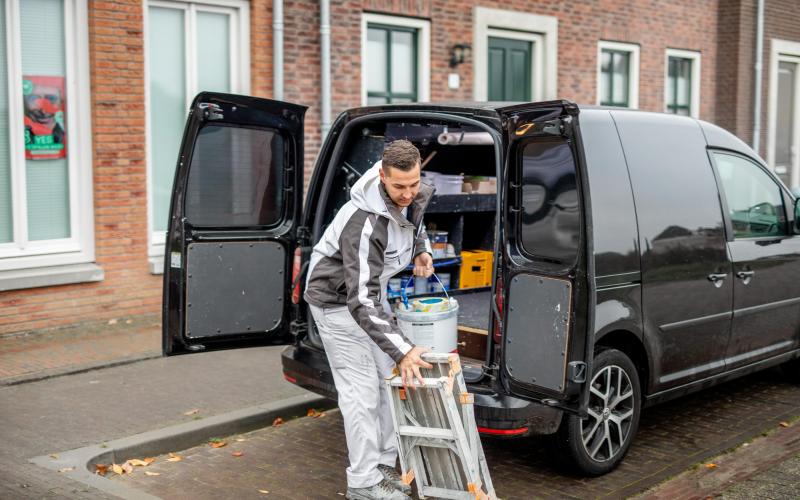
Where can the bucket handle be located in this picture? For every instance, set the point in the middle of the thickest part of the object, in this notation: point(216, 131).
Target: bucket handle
point(404, 295)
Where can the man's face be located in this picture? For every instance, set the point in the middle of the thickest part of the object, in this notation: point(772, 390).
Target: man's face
point(43, 103)
point(401, 186)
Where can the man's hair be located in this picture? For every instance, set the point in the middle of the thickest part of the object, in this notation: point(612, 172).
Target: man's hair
point(401, 154)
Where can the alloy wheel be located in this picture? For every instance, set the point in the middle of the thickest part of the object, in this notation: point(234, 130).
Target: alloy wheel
point(611, 408)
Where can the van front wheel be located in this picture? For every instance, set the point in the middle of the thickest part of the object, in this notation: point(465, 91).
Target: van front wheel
point(597, 444)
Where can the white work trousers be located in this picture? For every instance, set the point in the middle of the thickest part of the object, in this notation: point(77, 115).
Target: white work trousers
point(359, 369)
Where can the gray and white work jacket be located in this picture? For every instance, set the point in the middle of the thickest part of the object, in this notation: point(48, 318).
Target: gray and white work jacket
point(368, 242)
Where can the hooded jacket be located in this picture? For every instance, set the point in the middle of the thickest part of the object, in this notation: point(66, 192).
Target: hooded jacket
point(368, 242)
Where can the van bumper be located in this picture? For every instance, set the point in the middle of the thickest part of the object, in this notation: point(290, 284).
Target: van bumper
point(496, 414)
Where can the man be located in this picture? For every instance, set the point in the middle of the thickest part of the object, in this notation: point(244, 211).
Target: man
point(373, 237)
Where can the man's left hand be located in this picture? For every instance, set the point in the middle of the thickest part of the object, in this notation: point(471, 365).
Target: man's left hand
point(423, 265)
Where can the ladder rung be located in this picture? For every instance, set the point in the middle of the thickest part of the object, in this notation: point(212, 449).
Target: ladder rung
point(426, 432)
point(432, 491)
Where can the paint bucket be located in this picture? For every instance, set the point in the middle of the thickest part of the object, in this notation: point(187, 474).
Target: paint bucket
point(394, 286)
point(430, 322)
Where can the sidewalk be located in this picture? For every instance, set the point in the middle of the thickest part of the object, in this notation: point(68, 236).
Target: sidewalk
point(43, 354)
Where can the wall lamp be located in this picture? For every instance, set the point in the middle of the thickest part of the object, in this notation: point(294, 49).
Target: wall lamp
point(459, 53)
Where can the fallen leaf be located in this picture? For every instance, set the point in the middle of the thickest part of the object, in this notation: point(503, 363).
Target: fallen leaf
point(150, 473)
point(128, 321)
point(218, 444)
point(174, 458)
point(312, 412)
point(100, 469)
point(118, 469)
point(784, 424)
point(66, 469)
point(278, 421)
point(237, 453)
point(149, 460)
point(112, 322)
point(54, 455)
point(239, 440)
point(266, 492)
point(138, 463)
point(128, 468)
point(711, 466)
point(191, 412)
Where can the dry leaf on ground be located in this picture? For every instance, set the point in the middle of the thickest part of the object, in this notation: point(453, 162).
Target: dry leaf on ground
point(313, 412)
point(138, 463)
point(784, 424)
point(112, 322)
point(128, 468)
point(54, 455)
point(66, 469)
point(239, 440)
point(100, 469)
point(149, 460)
point(711, 466)
point(237, 453)
point(174, 458)
point(118, 469)
point(151, 473)
point(191, 412)
point(266, 492)
point(218, 444)
point(278, 421)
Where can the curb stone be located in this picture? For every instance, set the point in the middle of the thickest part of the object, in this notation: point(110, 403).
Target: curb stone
point(175, 437)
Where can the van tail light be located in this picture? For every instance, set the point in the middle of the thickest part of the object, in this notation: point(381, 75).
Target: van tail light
point(295, 273)
point(498, 299)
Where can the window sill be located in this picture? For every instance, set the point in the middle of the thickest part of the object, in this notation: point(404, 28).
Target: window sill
point(156, 264)
point(20, 279)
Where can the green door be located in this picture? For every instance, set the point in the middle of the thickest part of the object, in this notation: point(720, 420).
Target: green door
point(509, 70)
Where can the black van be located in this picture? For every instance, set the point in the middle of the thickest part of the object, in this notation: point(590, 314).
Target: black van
point(636, 256)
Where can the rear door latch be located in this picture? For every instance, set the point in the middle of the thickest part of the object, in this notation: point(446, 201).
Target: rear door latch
point(576, 372)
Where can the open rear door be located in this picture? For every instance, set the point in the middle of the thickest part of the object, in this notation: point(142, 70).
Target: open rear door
point(234, 211)
point(547, 341)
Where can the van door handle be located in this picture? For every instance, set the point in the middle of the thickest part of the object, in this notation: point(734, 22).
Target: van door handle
point(717, 278)
point(745, 276)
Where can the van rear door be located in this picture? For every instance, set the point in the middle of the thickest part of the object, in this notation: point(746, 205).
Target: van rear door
point(236, 202)
point(547, 342)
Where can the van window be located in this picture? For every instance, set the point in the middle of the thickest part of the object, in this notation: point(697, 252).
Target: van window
point(755, 204)
point(235, 177)
point(550, 227)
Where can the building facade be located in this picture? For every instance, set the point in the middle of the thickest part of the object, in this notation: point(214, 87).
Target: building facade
point(86, 163)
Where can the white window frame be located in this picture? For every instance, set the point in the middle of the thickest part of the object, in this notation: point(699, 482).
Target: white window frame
point(79, 247)
point(781, 50)
point(542, 30)
point(240, 84)
point(633, 70)
point(694, 56)
point(423, 28)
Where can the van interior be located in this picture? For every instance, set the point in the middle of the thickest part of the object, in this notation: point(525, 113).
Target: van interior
point(465, 220)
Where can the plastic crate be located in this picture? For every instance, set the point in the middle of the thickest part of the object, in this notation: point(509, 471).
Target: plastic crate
point(476, 268)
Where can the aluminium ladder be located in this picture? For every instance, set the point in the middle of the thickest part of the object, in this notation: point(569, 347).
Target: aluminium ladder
point(437, 437)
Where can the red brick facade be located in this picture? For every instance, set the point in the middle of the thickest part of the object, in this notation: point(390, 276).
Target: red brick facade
point(723, 31)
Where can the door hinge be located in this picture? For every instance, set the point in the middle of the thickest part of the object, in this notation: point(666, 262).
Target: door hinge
point(576, 372)
point(298, 328)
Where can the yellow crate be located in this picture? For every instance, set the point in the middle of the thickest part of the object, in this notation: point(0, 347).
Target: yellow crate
point(476, 268)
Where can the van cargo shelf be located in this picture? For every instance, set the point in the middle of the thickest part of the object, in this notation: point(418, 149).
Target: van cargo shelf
point(454, 203)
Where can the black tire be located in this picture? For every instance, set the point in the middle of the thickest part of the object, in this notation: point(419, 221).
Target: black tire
point(603, 453)
point(791, 370)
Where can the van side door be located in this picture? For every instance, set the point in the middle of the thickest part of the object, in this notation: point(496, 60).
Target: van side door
point(547, 342)
point(766, 260)
point(236, 202)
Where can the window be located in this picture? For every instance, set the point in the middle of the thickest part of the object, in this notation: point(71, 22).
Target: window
point(191, 47)
point(682, 85)
point(45, 136)
point(395, 60)
point(618, 75)
point(235, 178)
point(755, 202)
point(783, 126)
point(550, 219)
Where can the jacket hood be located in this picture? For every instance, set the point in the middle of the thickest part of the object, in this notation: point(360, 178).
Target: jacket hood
point(369, 195)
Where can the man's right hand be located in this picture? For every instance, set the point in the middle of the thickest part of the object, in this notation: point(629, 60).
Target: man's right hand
point(411, 363)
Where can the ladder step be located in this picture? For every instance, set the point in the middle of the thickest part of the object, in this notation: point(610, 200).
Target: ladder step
point(426, 432)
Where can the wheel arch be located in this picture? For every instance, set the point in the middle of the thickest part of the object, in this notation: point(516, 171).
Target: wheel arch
point(633, 347)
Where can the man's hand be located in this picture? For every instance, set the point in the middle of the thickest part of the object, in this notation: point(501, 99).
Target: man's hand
point(411, 363)
point(423, 265)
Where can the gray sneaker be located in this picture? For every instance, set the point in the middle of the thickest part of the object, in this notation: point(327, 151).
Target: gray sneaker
point(393, 477)
point(382, 490)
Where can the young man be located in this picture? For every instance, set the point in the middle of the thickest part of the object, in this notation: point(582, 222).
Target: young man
point(373, 237)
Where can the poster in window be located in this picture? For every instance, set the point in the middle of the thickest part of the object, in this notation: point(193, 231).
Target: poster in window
point(45, 126)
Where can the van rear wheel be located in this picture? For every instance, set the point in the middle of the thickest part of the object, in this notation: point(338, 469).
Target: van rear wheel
point(598, 443)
